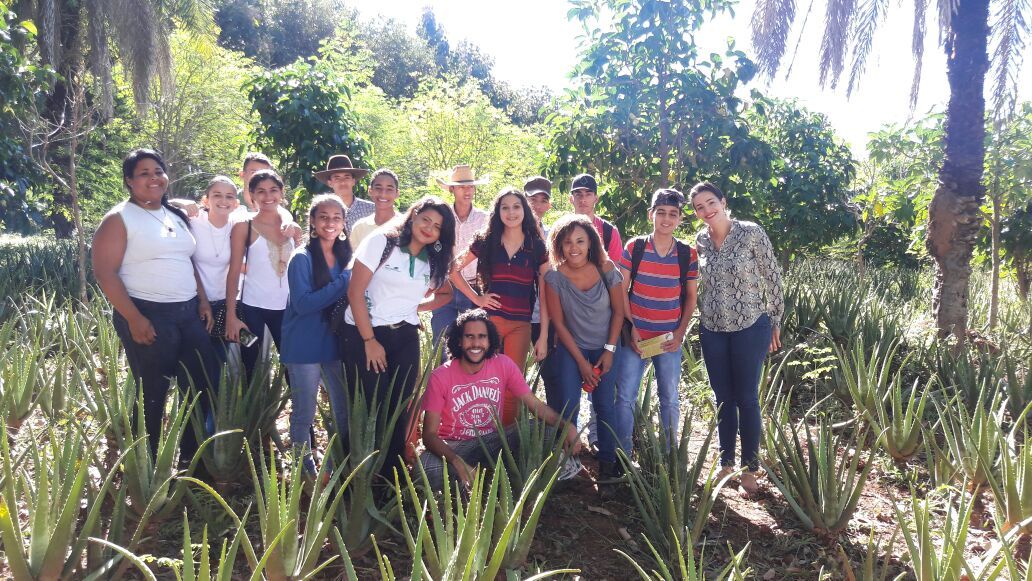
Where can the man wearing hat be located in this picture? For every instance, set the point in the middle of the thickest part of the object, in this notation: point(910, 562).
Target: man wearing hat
point(538, 190)
point(583, 198)
point(462, 183)
point(341, 176)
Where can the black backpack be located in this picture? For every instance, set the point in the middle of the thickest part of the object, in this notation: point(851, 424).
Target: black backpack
point(337, 322)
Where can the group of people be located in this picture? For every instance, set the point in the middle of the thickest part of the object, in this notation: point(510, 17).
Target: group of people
point(193, 283)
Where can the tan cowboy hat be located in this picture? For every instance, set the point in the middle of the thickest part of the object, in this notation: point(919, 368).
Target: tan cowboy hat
point(339, 163)
point(462, 175)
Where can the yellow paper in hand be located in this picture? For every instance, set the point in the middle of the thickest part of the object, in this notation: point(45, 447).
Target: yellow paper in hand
point(654, 346)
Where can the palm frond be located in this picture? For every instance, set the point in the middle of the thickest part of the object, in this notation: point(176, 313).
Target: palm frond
point(837, 21)
point(136, 25)
point(99, 55)
point(869, 15)
point(917, 47)
point(771, 23)
point(947, 8)
point(1009, 31)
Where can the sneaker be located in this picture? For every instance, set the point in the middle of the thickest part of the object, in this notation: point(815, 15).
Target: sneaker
point(570, 468)
point(610, 473)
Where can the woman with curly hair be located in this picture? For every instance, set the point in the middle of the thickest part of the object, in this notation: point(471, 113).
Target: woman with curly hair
point(398, 271)
point(511, 263)
point(585, 303)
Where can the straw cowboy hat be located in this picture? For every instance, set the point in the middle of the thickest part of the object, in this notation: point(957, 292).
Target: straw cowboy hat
point(339, 163)
point(462, 175)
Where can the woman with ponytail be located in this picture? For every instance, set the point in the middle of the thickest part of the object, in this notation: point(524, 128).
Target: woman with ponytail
point(311, 352)
point(142, 261)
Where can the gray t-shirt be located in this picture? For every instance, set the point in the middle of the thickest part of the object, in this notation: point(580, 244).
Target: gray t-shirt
point(587, 313)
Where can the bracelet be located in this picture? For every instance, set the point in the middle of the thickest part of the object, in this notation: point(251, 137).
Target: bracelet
point(369, 339)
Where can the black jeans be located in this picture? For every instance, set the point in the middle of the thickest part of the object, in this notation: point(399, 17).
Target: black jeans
point(401, 344)
point(182, 349)
point(256, 319)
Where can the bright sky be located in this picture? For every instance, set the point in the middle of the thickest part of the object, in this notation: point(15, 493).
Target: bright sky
point(533, 43)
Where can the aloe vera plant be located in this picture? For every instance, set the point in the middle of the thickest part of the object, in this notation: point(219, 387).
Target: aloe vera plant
point(865, 379)
point(21, 377)
point(974, 438)
point(672, 491)
point(362, 514)
point(822, 486)
point(53, 544)
point(686, 567)
point(297, 548)
point(1011, 484)
point(942, 558)
point(491, 534)
point(244, 412)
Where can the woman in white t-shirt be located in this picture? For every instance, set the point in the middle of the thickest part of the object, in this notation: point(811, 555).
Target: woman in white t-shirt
point(141, 259)
point(398, 271)
point(211, 228)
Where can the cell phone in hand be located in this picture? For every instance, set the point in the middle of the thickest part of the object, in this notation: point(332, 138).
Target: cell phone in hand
point(247, 338)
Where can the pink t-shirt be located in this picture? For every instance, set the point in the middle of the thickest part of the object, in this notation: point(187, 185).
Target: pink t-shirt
point(467, 403)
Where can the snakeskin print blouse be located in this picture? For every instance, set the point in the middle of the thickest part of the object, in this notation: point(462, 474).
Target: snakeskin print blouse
point(741, 281)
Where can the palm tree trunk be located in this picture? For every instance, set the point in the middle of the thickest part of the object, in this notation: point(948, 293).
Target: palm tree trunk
point(954, 216)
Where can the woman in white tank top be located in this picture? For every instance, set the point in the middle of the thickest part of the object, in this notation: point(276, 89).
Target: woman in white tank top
point(267, 250)
point(142, 260)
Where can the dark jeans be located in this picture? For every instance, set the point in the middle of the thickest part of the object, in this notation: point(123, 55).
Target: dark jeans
point(182, 349)
point(734, 361)
point(256, 319)
point(401, 344)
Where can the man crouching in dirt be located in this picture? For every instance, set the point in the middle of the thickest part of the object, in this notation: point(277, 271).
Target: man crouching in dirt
point(465, 394)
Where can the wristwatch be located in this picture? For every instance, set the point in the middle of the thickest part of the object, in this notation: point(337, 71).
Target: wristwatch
point(610, 348)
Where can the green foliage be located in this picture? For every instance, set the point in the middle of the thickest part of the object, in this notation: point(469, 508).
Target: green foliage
point(34, 265)
point(686, 567)
point(446, 124)
point(304, 117)
point(649, 111)
point(1016, 238)
point(23, 83)
point(278, 33)
point(401, 61)
point(202, 129)
point(806, 198)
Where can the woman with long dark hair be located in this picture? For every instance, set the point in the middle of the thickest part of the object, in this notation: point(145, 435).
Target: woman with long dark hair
point(740, 310)
point(585, 303)
point(511, 263)
point(142, 261)
point(318, 277)
point(261, 243)
point(398, 271)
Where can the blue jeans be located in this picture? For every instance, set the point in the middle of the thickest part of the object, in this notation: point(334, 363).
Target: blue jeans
point(629, 369)
point(444, 317)
point(565, 394)
point(182, 349)
point(734, 361)
point(304, 389)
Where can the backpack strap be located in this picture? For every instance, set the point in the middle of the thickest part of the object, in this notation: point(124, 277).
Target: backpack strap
point(637, 253)
point(392, 243)
point(247, 252)
point(684, 262)
point(607, 235)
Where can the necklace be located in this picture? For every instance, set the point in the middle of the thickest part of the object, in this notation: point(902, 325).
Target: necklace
point(225, 239)
point(163, 220)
